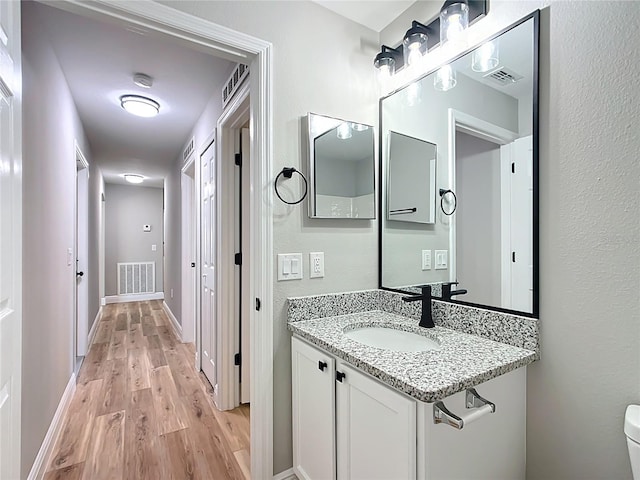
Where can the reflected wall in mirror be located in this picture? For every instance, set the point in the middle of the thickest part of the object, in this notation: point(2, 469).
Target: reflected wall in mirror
point(411, 170)
point(485, 130)
point(341, 168)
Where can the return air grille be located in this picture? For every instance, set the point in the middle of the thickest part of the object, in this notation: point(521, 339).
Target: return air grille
point(136, 277)
point(504, 76)
point(188, 149)
point(233, 83)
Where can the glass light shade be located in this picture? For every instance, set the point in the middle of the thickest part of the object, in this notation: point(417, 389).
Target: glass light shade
point(140, 106)
point(414, 94)
point(344, 131)
point(445, 78)
point(386, 66)
point(415, 46)
point(133, 178)
point(454, 20)
point(486, 57)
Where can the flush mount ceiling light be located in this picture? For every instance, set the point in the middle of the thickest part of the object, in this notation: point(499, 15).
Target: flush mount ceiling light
point(140, 106)
point(133, 178)
point(449, 27)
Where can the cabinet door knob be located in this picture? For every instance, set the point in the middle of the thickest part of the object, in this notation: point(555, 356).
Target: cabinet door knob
point(340, 376)
point(322, 365)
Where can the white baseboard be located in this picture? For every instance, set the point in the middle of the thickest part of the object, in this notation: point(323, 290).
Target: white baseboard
point(177, 328)
point(94, 328)
point(42, 459)
point(286, 475)
point(133, 297)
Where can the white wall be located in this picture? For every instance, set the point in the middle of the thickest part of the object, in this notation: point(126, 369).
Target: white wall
point(128, 208)
point(50, 125)
point(322, 63)
point(478, 220)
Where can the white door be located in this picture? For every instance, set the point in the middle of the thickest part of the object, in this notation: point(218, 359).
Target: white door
point(82, 256)
point(517, 271)
point(313, 406)
point(245, 299)
point(10, 240)
point(376, 429)
point(208, 267)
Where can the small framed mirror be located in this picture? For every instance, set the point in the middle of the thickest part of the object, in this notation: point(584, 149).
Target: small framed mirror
point(411, 189)
point(341, 168)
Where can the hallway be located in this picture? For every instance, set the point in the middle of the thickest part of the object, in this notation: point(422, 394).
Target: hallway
point(141, 411)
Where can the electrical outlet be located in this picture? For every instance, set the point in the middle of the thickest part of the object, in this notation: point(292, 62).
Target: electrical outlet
point(441, 259)
point(172, 293)
point(316, 264)
point(426, 259)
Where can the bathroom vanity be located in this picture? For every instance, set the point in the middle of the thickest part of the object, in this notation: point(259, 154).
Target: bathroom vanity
point(366, 410)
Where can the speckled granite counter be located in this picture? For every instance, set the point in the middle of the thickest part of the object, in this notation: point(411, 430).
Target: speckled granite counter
point(462, 361)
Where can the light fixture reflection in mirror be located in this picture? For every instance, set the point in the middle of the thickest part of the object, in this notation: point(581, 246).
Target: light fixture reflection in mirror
point(445, 78)
point(454, 20)
point(485, 57)
point(414, 94)
point(359, 127)
point(344, 131)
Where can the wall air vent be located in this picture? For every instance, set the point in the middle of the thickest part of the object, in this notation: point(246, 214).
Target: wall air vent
point(503, 76)
point(188, 150)
point(233, 82)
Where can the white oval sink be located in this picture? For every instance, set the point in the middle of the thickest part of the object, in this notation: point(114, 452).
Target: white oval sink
point(392, 339)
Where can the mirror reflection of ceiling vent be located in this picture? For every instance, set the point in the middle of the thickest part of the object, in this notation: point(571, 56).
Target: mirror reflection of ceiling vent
point(503, 76)
point(233, 82)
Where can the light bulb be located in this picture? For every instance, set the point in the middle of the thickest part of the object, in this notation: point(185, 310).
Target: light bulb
point(454, 20)
point(414, 53)
point(485, 57)
point(344, 131)
point(445, 78)
point(384, 73)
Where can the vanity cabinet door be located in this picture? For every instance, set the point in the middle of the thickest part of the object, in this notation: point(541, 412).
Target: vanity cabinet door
point(313, 402)
point(376, 429)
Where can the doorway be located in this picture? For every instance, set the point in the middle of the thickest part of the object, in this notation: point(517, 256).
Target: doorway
point(81, 312)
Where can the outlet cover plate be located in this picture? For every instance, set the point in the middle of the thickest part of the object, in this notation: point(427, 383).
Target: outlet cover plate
point(316, 264)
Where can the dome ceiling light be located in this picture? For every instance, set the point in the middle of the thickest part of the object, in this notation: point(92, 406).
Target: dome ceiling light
point(133, 178)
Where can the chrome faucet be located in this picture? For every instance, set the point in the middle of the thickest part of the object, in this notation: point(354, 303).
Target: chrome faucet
point(426, 320)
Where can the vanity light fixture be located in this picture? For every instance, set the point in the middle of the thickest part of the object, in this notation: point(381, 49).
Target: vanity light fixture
point(139, 105)
point(344, 131)
point(445, 78)
point(485, 57)
point(415, 42)
point(449, 27)
point(133, 178)
point(359, 127)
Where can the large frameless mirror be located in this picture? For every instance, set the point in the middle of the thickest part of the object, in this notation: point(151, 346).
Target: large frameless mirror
point(478, 115)
point(341, 168)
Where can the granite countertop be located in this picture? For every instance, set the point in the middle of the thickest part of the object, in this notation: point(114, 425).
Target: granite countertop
point(462, 360)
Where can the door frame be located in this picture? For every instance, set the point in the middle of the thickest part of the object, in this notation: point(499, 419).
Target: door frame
point(189, 221)
point(81, 251)
point(229, 123)
point(463, 122)
point(224, 42)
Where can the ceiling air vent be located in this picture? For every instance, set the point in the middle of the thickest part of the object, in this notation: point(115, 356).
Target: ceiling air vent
point(503, 76)
point(188, 150)
point(233, 83)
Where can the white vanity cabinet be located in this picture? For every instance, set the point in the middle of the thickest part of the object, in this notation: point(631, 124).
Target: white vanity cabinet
point(346, 423)
point(349, 426)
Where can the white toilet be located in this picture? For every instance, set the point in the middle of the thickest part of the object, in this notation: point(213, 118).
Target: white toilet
point(632, 431)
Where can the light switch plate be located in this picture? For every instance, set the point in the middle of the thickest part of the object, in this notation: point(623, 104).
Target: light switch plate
point(154, 247)
point(290, 266)
point(442, 259)
point(316, 264)
point(426, 259)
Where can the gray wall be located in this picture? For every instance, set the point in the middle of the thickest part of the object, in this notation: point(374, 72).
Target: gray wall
point(331, 75)
point(173, 243)
point(127, 209)
point(478, 219)
point(96, 189)
point(50, 125)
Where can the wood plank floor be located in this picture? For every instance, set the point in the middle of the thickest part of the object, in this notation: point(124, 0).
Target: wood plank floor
point(142, 411)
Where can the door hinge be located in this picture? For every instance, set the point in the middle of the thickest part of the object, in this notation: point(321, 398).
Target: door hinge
point(258, 304)
point(513, 167)
point(237, 359)
point(238, 258)
point(238, 159)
